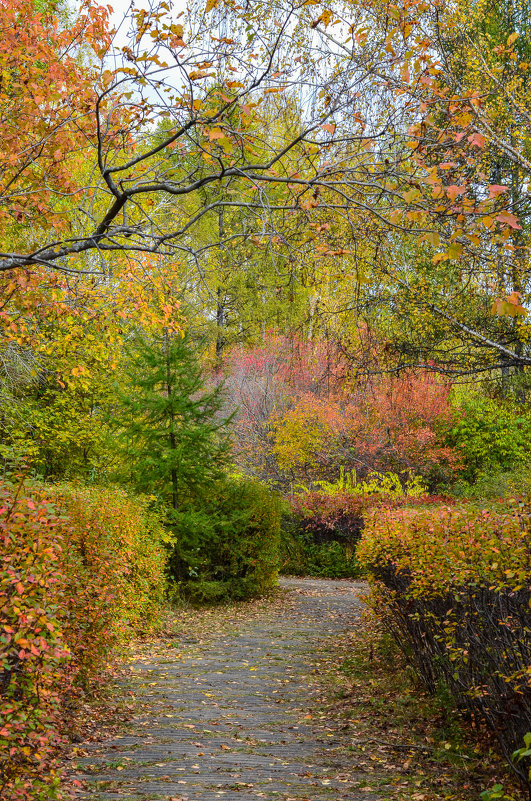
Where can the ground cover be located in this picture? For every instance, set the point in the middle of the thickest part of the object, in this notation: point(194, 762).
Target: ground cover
point(413, 744)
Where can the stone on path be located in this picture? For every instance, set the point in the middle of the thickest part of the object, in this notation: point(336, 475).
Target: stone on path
point(229, 718)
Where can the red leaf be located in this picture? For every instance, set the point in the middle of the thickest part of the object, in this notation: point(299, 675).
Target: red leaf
point(497, 189)
point(477, 139)
point(506, 218)
point(454, 191)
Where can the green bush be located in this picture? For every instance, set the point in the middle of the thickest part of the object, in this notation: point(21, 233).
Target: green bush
point(496, 483)
point(490, 436)
point(300, 555)
point(227, 548)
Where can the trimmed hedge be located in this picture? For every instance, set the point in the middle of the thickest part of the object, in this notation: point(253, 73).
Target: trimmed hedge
point(453, 586)
point(319, 537)
point(227, 548)
point(81, 572)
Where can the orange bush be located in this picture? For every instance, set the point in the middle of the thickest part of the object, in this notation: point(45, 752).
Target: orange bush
point(81, 571)
point(34, 657)
point(114, 571)
point(453, 585)
point(301, 416)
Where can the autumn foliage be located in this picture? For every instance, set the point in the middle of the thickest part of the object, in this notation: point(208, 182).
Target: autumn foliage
point(81, 571)
point(45, 96)
point(451, 583)
point(301, 416)
point(386, 223)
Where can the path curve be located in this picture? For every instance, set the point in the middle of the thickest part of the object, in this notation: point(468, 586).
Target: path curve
point(233, 718)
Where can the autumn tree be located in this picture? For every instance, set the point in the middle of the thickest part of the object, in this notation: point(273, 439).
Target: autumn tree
point(462, 69)
point(172, 71)
point(387, 162)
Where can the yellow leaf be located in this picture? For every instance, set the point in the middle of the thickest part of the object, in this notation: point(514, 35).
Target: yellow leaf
point(197, 74)
point(211, 4)
point(455, 250)
point(433, 238)
point(411, 195)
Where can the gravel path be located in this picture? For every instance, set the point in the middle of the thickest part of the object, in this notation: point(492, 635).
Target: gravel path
point(233, 717)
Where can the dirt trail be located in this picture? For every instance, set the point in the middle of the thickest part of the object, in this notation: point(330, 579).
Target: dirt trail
point(232, 717)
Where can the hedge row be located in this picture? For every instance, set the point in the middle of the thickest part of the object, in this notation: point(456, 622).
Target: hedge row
point(453, 586)
point(321, 531)
point(80, 572)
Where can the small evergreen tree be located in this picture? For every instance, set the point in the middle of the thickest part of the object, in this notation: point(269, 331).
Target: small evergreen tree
point(173, 436)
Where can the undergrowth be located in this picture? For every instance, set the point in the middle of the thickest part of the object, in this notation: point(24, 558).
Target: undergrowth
point(405, 743)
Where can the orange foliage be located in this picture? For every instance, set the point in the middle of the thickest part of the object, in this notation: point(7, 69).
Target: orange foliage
point(299, 418)
point(45, 95)
point(81, 571)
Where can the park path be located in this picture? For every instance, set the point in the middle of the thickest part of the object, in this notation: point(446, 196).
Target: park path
point(232, 715)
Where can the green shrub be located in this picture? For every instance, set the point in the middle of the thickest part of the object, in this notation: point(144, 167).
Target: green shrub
point(490, 435)
point(301, 557)
point(495, 483)
point(227, 548)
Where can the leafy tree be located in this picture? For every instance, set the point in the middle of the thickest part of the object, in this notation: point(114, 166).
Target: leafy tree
point(63, 345)
point(463, 190)
point(172, 435)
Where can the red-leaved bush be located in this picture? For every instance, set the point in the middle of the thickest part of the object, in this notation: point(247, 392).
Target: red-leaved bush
point(341, 516)
point(81, 571)
point(34, 656)
point(328, 517)
point(300, 420)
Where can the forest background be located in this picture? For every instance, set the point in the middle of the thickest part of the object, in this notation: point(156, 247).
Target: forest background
point(263, 262)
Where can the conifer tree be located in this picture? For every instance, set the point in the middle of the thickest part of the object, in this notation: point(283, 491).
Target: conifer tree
point(173, 436)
